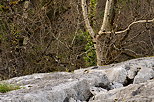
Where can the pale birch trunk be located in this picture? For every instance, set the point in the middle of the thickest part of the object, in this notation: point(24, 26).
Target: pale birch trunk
point(108, 16)
point(106, 26)
point(101, 49)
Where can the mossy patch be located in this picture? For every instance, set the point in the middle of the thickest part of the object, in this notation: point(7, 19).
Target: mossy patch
point(5, 87)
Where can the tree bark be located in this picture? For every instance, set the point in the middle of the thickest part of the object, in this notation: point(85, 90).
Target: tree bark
point(108, 16)
point(101, 46)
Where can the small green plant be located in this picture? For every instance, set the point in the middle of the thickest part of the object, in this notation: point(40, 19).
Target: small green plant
point(90, 56)
point(5, 87)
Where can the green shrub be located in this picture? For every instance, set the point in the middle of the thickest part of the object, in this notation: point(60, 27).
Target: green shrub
point(90, 55)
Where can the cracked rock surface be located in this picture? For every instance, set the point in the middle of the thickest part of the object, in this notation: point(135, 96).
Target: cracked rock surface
point(129, 81)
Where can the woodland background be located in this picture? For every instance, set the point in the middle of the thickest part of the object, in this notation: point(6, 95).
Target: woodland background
point(50, 35)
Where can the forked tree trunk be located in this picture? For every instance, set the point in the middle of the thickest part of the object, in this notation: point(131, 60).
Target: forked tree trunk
point(106, 26)
point(101, 38)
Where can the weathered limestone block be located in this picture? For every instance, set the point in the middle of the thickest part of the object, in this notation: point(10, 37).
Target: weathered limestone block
point(117, 74)
point(97, 90)
point(143, 75)
point(143, 92)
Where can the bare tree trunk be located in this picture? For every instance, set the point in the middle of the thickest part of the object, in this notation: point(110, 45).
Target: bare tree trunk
point(106, 26)
point(101, 46)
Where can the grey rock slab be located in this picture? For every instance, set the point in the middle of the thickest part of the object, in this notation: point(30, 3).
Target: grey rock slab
point(60, 93)
point(98, 78)
point(54, 87)
point(147, 62)
point(143, 92)
point(115, 85)
point(97, 90)
point(130, 67)
point(73, 100)
point(143, 75)
point(132, 72)
point(117, 74)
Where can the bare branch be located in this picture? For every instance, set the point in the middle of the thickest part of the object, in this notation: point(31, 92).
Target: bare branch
point(128, 28)
point(85, 16)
